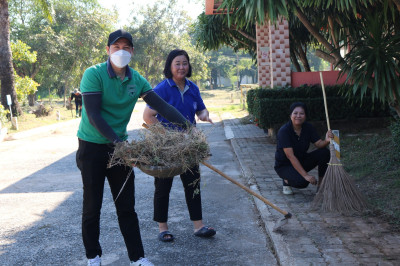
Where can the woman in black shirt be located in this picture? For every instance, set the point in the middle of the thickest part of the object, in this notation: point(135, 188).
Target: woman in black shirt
point(292, 161)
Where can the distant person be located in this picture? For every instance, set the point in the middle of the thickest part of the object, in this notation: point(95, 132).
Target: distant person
point(110, 91)
point(76, 94)
point(292, 161)
point(184, 95)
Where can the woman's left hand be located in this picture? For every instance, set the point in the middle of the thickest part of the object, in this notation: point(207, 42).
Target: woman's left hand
point(329, 135)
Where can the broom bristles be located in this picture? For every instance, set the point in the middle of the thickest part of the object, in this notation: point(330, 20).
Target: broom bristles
point(338, 192)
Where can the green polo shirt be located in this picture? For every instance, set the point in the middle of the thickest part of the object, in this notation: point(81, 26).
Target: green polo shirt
point(118, 99)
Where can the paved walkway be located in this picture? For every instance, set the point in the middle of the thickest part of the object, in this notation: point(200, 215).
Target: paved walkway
point(309, 238)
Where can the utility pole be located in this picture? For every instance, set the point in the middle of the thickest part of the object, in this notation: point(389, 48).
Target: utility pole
point(237, 70)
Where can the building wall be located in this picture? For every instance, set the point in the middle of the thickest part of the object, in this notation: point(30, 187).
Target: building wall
point(311, 78)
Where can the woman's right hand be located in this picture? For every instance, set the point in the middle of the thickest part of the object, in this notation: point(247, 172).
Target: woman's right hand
point(311, 179)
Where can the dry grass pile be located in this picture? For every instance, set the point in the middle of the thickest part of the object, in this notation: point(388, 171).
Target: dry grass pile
point(159, 146)
point(43, 110)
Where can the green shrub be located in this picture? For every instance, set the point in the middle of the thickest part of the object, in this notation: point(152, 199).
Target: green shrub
point(250, 99)
point(270, 107)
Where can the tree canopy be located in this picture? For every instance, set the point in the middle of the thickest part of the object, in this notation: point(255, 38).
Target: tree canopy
point(55, 41)
point(157, 30)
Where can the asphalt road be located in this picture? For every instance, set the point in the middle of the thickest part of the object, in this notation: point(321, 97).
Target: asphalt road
point(40, 207)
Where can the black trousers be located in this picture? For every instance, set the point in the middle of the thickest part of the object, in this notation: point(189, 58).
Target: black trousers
point(191, 184)
point(319, 157)
point(78, 109)
point(92, 159)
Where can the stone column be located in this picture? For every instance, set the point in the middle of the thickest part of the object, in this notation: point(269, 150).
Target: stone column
point(280, 54)
point(273, 54)
point(263, 55)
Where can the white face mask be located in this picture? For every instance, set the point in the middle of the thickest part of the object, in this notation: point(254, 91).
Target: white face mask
point(120, 58)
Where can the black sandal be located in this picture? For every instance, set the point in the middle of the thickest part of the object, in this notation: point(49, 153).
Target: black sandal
point(162, 236)
point(205, 231)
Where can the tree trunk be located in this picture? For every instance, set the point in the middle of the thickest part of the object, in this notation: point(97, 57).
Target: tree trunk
point(295, 62)
point(31, 99)
point(247, 36)
point(6, 67)
point(325, 56)
point(314, 32)
point(303, 59)
point(397, 3)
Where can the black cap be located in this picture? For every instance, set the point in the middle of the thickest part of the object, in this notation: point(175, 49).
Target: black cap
point(114, 36)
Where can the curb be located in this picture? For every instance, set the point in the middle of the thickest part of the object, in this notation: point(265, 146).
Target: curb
point(281, 249)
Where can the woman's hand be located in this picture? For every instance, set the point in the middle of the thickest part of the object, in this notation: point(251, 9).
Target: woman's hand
point(149, 116)
point(323, 143)
point(311, 179)
point(329, 135)
point(204, 115)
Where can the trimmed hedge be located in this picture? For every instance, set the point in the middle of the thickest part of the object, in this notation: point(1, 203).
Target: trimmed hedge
point(395, 129)
point(270, 107)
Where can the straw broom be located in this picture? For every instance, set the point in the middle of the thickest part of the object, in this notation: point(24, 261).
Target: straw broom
point(337, 192)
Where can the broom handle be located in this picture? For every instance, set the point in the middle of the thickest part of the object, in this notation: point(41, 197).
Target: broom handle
point(326, 106)
point(287, 214)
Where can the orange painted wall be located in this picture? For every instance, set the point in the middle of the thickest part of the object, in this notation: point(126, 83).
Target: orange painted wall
point(311, 78)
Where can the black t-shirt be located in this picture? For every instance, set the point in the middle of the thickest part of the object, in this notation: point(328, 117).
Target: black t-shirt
point(78, 98)
point(287, 138)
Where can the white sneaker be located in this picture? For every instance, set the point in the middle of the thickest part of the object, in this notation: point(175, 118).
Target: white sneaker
point(142, 262)
point(95, 261)
point(287, 190)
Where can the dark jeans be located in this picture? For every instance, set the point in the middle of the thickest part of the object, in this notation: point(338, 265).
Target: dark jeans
point(319, 157)
point(78, 109)
point(92, 159)
point(191, 183)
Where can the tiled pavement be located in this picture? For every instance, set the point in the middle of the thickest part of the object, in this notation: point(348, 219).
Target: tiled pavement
point(309, 237)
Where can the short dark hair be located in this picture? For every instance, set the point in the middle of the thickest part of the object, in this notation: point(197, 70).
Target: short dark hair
point(170, 58)
point(298, 104)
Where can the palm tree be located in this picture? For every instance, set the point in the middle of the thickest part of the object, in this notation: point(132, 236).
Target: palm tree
point(372, 64)
point(6, 66)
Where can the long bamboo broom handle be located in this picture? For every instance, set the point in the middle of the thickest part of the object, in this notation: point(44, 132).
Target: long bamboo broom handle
point(326, 106)
point(285, 213)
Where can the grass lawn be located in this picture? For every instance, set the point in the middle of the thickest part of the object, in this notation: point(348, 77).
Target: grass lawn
point(371, 160)
point(29, 120)
point(225, 101)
